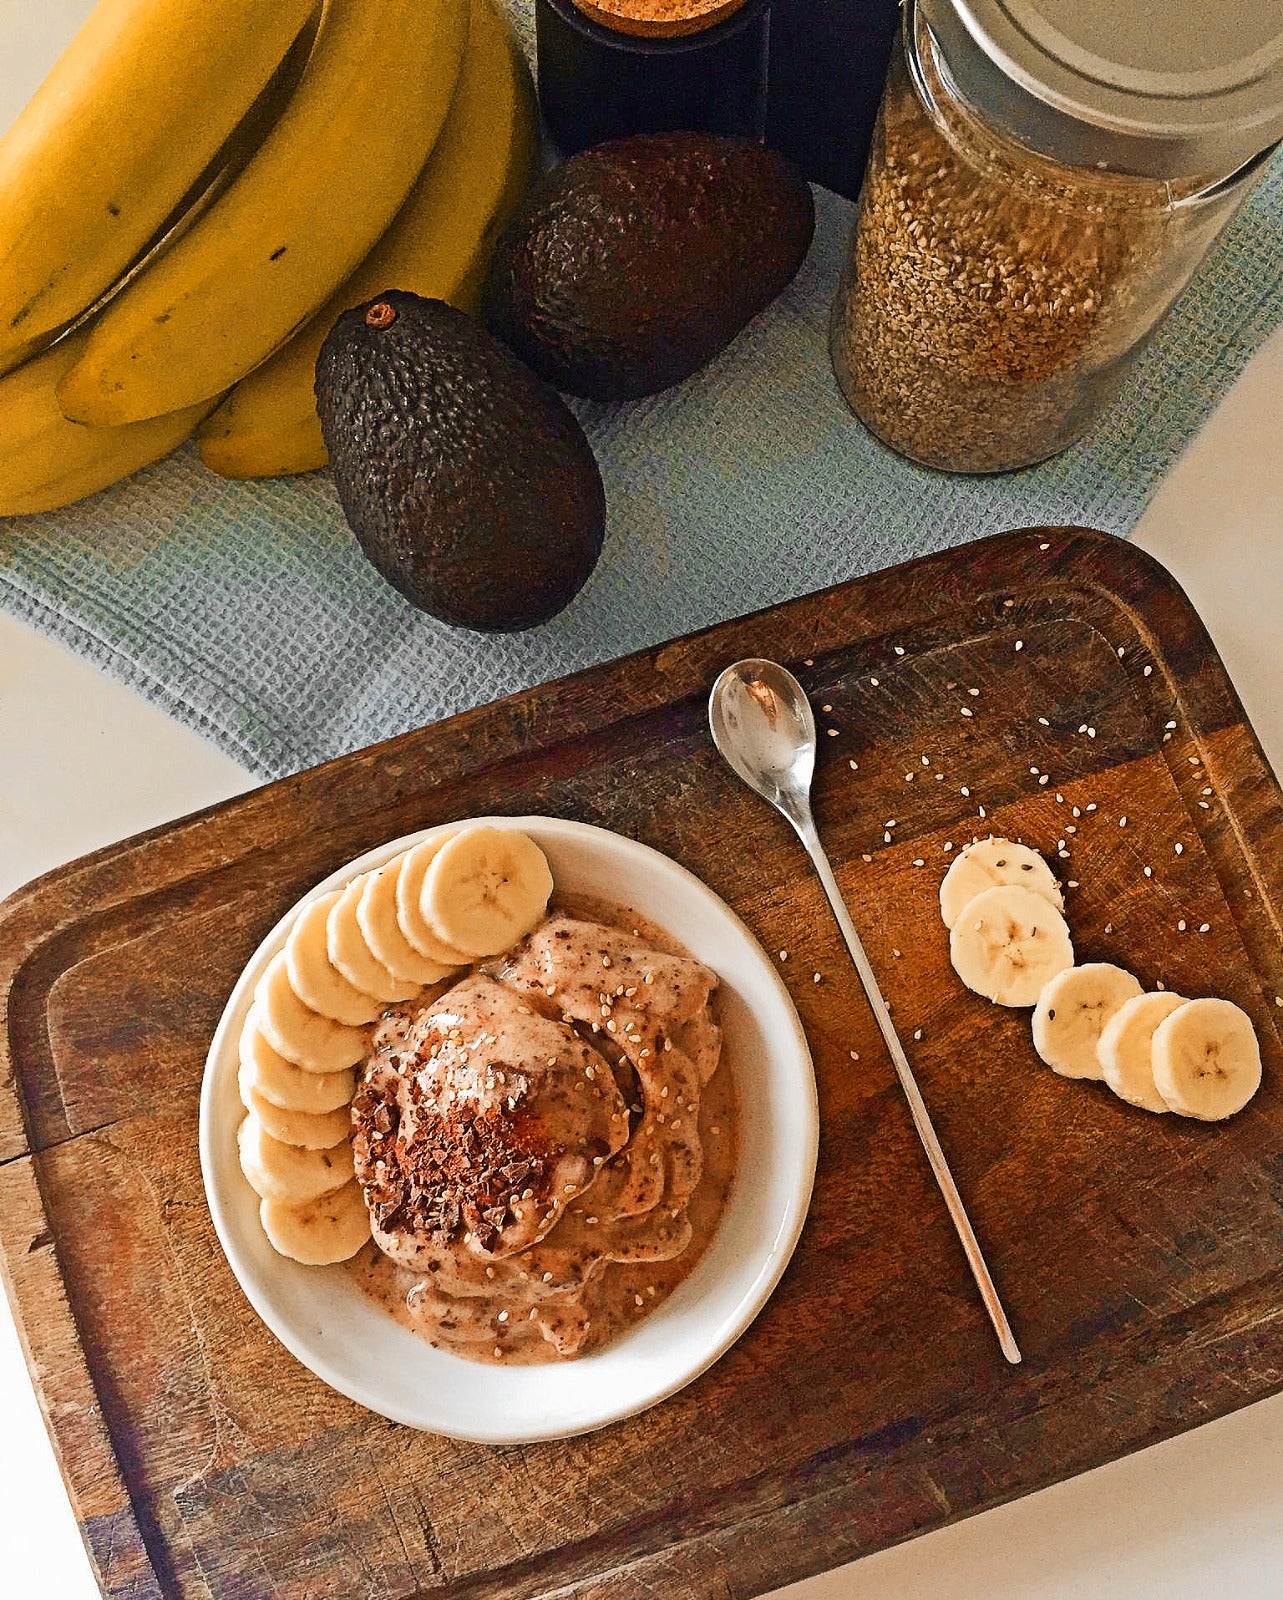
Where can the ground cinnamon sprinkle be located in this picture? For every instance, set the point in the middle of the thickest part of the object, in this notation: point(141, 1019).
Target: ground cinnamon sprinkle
point(659, 18)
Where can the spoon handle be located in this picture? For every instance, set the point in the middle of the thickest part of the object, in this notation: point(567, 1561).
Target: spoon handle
point(921, 1120)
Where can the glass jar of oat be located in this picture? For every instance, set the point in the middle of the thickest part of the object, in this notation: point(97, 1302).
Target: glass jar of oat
point(1045, 177)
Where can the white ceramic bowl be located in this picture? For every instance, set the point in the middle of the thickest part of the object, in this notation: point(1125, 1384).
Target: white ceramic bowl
point(324, 1319)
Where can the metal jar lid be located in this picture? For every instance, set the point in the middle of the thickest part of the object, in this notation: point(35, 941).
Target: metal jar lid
point(1168, 88)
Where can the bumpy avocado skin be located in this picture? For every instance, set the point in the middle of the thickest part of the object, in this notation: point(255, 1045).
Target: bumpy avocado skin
point(468, 482)
point(632, 264)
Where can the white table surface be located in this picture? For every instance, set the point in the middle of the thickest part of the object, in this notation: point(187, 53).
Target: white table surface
point(84, 762)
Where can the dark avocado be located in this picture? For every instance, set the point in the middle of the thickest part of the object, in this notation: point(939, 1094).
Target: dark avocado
point(467, 481)
point(631, 265)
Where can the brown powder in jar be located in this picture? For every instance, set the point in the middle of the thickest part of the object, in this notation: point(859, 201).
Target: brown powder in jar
point(991, 298)
point(658, 18)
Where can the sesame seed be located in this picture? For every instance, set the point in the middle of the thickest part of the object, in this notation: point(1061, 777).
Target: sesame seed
point(784, 955)
point(815, 977)
point(1044, 780)
point(982, 811)
point(874, 682)
point(1148, 871)
point(917, 1033)
point(502, 1317)
point(869, 858)
point(973, 691)
point(918, 861)
point(1091, 733)
point(1092, 806)
point(1082, 727)
point(1205, 805)
point(1121, 652)
point(1204, 927)
point(1169, 724)
point(899, 649)
point(1109, 927)
point(895, 953)
point(1020, 644)
point(826, 708)
point(948, 844)
point(1181, 925)
point(1044, 722)
point(809, 662)
point(833, 733)
point(966, 711)
point(1044, 547)
point(1179, 849)
point(1122, 822)
point(854, 765)
point(965, 792)
point(886, 838)
point(1148, 670)
point(1195, 762)
point(1072, 884)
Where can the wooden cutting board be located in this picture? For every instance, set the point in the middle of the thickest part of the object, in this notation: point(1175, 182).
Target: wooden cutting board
point(1140, 1257)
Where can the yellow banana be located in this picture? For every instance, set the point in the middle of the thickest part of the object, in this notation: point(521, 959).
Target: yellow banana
point(323, 187)
point(46, 461)
point(439, 244)
point(137, 107)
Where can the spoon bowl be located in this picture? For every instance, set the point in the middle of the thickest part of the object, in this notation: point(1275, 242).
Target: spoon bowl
point(764, 729)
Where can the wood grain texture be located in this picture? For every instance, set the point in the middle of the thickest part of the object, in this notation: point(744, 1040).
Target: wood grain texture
point(1139, 1257)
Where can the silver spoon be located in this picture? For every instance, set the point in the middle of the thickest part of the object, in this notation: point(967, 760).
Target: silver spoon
point(764, 728)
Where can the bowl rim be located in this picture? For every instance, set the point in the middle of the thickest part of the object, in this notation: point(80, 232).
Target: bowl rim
point(770, 1258)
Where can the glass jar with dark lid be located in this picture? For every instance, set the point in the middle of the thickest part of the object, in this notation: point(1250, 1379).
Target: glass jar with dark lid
point(1046, 176)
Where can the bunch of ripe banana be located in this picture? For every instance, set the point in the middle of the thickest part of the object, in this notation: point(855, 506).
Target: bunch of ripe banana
point(197, 192)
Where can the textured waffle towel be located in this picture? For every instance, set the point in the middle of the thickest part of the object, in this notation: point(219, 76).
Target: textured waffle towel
point(248, 611)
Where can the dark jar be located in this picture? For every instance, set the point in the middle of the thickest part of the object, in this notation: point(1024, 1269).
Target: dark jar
point(599, 82)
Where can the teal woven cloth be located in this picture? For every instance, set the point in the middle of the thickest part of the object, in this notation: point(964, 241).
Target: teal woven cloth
point(248, 611)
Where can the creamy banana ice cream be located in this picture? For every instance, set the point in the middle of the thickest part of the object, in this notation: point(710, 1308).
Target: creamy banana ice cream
point(545, 1146)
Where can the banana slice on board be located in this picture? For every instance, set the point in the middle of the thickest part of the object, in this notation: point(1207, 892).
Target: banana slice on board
point(320, 1232)
point(278, 1171)
point(305, 1130)
point(1125, 1050)
point(286, 1085)
point(314, 978)
point(376, 915)
point(1207, 1063)
point(298, 1033)
point(486, 888)
point(350, 954)
point(1071, 1014)
point(989, 863)
point(1010, 944)
point(422, 933)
